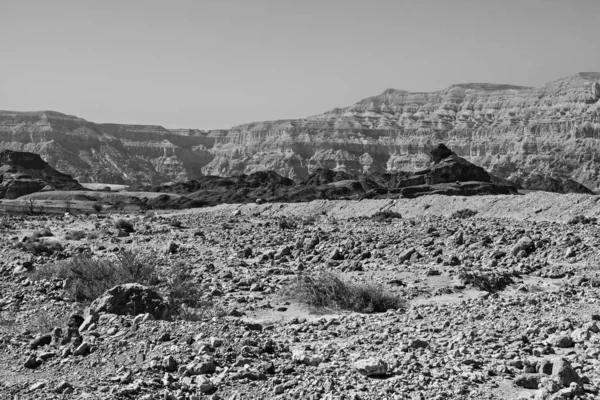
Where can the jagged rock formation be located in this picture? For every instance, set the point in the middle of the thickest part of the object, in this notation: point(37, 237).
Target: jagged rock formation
point(511, 131)
point(24, 173)
point(450, 175)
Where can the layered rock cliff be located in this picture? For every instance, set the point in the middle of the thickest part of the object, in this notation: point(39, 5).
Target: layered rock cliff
point(514, 132)
point(24, 173)
point(511, 131)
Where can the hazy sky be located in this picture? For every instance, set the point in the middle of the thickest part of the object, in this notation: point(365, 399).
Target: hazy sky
point(217, 63)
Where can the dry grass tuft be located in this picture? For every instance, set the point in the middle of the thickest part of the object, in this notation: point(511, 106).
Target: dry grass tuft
point(38, 247)
point(386, 215)
point(464, 213)
point(124, 225)
point(75, 235)
point(328, 291)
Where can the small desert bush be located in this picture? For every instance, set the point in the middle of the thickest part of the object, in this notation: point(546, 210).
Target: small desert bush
point(88, 277)
point(124, 225)
point(464, 213)
point(309, 221)
point(97, 206)
point(8, 322)
point(328, 291)
point(185, 296)
point(287, 223)
point(46, 232)
point(40, 321)
point(75, 235)
point(38, 247)
point(386, 215)
point(43, 322)
point(581, 219)
point(175, 223)
point(486, 280)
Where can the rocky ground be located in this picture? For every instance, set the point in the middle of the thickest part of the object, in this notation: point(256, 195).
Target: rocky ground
point(534, 332)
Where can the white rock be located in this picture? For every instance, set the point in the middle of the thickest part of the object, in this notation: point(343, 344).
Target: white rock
point(371, 366)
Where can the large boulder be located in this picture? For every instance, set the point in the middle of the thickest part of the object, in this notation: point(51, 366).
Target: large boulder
point(131, 299)
point(563, 370)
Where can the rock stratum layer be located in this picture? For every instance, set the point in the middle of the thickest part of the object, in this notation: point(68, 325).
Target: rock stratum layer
point(519, 133)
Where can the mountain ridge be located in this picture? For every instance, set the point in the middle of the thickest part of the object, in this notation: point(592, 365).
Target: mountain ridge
point(513, 131)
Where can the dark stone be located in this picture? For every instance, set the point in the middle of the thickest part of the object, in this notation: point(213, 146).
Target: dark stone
point(268, 367)
point(529, 381)
point(40, 341)
point(254, 327)
point(131, 299)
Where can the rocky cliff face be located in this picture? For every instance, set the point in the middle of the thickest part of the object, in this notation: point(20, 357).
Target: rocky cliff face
point(511, 131)
point(24, 173)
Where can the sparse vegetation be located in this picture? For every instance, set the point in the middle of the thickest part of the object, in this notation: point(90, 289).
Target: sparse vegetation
point(39, 247)
point(46, 232)
point(32, 208)
point(386, 215)
point(175, 223)
point(68, 205)
point(124, 225)
point(75, 235)
point(286, 223)
point(185, 296)
point(464, 213)
point(97, 206)
point(42, 322)
point(486, 280)
point(88, 277)
point(309, 221)
point(581, 219)
point(329, 291)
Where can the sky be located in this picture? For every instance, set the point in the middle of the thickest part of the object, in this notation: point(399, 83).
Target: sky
point(210, 64)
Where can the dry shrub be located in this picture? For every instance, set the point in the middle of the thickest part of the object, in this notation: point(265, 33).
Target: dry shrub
point(75, 235)
point(185, 296)
point(39, 322)
point(175, 223)
point(309, 221)
point(464, 213)
point(287, 223)
point(43, 321)
point(386, 215)
point(38, 247)
point(46, 232)
point(328, 291)
point(486, 280)
point(89, 277)
point(581, 219)
point(124, 225)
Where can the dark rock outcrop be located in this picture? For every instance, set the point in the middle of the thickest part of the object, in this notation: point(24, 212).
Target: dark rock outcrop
point(131, 299)
point(450, 175)
point(25, 173)
point(548, 183)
